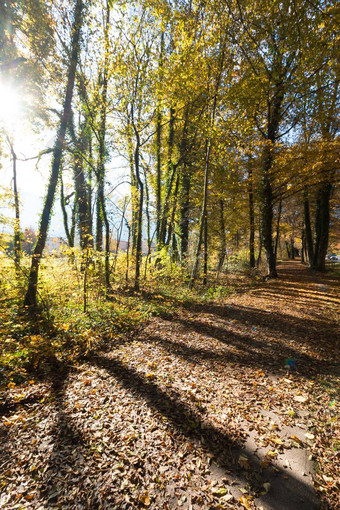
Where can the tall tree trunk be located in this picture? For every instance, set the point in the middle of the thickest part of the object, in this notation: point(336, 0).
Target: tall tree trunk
point(99, 217)
point(278, 228)
point(159, 148)
point(140, 213)
point(16, 237)
point(274, 118)
point(258, 260)
point(31, 294)
point(171, 228)
point(267, 213)
point(251, 217)
point(292, 247)
point(82, 200)
point(101, 212)
point(134, 192)
point(205, 249)
point(89, 194)
point(204, 217)
point(223, 246)
point(303, 246)
point(308, 228)
point(119, 236)
point(148, 221)
point(184, 210)
point(68, 231)
point(102, 156)
point(203, 214)
point(322, 227)
point(158, 175)
point(329, 126)
point(171, 171)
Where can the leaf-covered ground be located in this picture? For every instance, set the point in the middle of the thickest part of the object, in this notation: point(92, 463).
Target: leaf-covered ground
point(194, 411)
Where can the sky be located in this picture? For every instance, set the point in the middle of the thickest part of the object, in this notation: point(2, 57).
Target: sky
point(32, 175)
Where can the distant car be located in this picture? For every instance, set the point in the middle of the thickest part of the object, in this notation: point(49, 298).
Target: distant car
point(333, 257)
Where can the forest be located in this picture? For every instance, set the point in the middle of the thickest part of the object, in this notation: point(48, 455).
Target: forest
point(176, 343)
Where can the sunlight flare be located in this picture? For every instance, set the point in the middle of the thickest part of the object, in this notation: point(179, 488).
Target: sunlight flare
point(10, 104)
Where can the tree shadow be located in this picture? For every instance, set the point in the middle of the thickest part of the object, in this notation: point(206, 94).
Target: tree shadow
point(9, 406)
point(192, 424)
point(68, 455)
point(245, 357)
point(225, 450)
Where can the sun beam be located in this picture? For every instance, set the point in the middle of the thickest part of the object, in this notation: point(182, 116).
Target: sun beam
point(10, 105)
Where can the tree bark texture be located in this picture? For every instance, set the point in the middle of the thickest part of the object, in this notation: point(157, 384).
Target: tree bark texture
point(308, 229)
point(322, 227)
point(251, 218)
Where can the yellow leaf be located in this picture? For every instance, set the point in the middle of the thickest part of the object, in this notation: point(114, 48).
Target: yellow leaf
point(144, 499)
point(151, 375)
point(244, 502)
point(296, 439)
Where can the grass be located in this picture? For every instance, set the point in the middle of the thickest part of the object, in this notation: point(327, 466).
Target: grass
point(62, 332)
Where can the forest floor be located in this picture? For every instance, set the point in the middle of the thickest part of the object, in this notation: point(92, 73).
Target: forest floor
point(194, 410)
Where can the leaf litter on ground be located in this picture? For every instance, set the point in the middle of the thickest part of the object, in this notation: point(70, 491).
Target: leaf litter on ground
point(162, 420)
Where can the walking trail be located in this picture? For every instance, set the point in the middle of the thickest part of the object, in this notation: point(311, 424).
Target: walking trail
point(194, 411)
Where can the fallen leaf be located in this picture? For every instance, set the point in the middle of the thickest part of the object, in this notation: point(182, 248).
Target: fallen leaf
point(296, 439)
point(144, 499)
point(219, 492)
point(243, 461)
point(300, 398)
point(244, 502)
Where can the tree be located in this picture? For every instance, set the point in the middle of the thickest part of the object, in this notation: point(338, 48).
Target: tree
point(31, 294)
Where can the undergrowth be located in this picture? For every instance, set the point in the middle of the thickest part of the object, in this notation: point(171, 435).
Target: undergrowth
point(62, 332)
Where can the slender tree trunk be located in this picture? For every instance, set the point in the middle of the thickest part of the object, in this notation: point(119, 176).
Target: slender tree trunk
point(101, 212)
point(82, 196)
point(134, 192)
point(171, 226)
point(251, 217)
point(89, 194)
point(159, 149)
point(107, 242)
point(114, 264)
point(278, 228)
point(205, 249)
point(308, 228)
point(16, 237)
point(140, 214)
point(68, 231)
point(184, 211)
point(203, 214)
point(99, 217)
point(158, 176)
point(171, 172)
point(128, 253)
point(292, 247)
point(204, 217)
point(31, 294)
point(258, 260)
point(102, 156)
point(148, 221)
point(303, 246)
point(223, 239)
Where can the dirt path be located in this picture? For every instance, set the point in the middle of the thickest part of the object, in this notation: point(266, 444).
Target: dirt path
point(195, 411)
